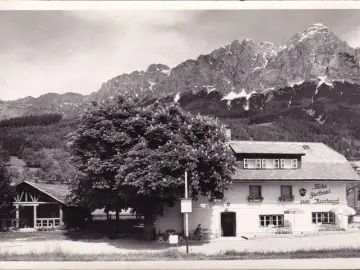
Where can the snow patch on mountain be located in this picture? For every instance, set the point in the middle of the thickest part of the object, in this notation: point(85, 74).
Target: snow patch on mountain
point(318, 119)
point(310, 112)
point(210, 88)
point(151, 85)
point(312, 31)
point(166, 71)
point(289, 102)
point(292, 84)
point(232, 95)
point(322, 80)
point(177, 97)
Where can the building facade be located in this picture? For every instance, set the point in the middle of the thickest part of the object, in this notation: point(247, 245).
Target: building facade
point(278, 187)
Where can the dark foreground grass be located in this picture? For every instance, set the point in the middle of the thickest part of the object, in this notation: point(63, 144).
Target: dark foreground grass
point(174, 254)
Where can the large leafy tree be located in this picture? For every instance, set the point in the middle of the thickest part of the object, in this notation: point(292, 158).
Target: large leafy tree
point(6, 190)
point(131, 156)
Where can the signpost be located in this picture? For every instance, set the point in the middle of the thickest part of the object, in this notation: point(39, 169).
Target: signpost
point(186, 208)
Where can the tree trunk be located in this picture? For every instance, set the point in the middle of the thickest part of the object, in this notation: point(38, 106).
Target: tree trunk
point(117, 223)
point(110, 231)
point(148, 230)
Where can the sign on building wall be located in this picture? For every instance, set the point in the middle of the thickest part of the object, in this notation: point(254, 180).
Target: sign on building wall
point(318, 194)
point(186, 205)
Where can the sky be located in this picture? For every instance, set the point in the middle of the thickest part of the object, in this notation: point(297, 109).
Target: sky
point(76, 51)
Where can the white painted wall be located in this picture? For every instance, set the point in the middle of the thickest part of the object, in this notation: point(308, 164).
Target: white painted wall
point(247, 213)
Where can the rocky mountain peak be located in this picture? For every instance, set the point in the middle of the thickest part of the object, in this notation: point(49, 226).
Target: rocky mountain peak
point(241, 70)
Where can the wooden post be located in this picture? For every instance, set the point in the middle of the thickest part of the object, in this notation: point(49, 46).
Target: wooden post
point(35, 215)
point(61, 215)
point(17, 216)
point(186, 216)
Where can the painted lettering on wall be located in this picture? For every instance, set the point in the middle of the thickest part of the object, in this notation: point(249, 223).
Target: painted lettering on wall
point(319, 186)
point(319, 190)
point(319, 193)
point(318, 201)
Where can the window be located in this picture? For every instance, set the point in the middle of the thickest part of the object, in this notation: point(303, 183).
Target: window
point(288, 164)
point(252, 163)
point(270, 163)
point(323, 217)
point(276, 220)
point(286, 191)
point(255, 191)
point(286, 194)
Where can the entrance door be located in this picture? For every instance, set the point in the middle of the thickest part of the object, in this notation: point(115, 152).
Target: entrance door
point(26, 215)
point(228, 224)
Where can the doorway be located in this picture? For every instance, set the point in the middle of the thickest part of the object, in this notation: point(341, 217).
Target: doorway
point(228, 224)
point(26, 215)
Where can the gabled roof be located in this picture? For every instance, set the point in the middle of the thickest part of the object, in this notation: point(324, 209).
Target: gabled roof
point(56, 191)
point(319, 162)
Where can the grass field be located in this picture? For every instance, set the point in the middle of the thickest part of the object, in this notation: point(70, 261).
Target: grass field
point(174, 254)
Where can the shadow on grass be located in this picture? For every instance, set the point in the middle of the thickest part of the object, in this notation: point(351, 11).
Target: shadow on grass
point(124, 241)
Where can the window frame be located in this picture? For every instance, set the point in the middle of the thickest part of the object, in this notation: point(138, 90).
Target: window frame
point(324, 217)
point(284, 186)
point(257, 163)
point(278, 218)
point(294, 164)
point(260, 190)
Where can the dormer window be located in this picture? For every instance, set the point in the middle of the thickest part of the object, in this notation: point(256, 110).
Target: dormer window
point(270, 164)
point(288, 164)
point(252, 163)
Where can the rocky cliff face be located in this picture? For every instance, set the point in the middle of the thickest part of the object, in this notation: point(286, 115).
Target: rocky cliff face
point(314, 74)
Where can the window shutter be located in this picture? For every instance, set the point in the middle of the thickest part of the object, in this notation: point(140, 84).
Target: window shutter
point(258, 164)
point(282, 163)
point(276, 164)
point(294, 163)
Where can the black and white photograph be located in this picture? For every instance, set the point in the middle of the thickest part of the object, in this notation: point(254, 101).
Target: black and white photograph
point(180, 138)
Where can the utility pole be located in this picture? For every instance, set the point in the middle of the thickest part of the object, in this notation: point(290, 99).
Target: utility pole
point(186, 216)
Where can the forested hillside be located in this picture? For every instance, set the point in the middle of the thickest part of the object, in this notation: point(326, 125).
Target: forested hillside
point(41, 140)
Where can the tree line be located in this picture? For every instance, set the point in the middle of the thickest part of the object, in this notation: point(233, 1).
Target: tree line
point(31, 120)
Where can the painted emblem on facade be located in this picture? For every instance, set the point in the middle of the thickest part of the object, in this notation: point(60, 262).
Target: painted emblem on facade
point(302, 192)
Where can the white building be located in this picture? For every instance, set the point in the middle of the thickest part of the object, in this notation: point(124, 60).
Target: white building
point(271, 178)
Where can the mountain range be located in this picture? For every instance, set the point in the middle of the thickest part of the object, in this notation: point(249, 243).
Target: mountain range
point(313, 76)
